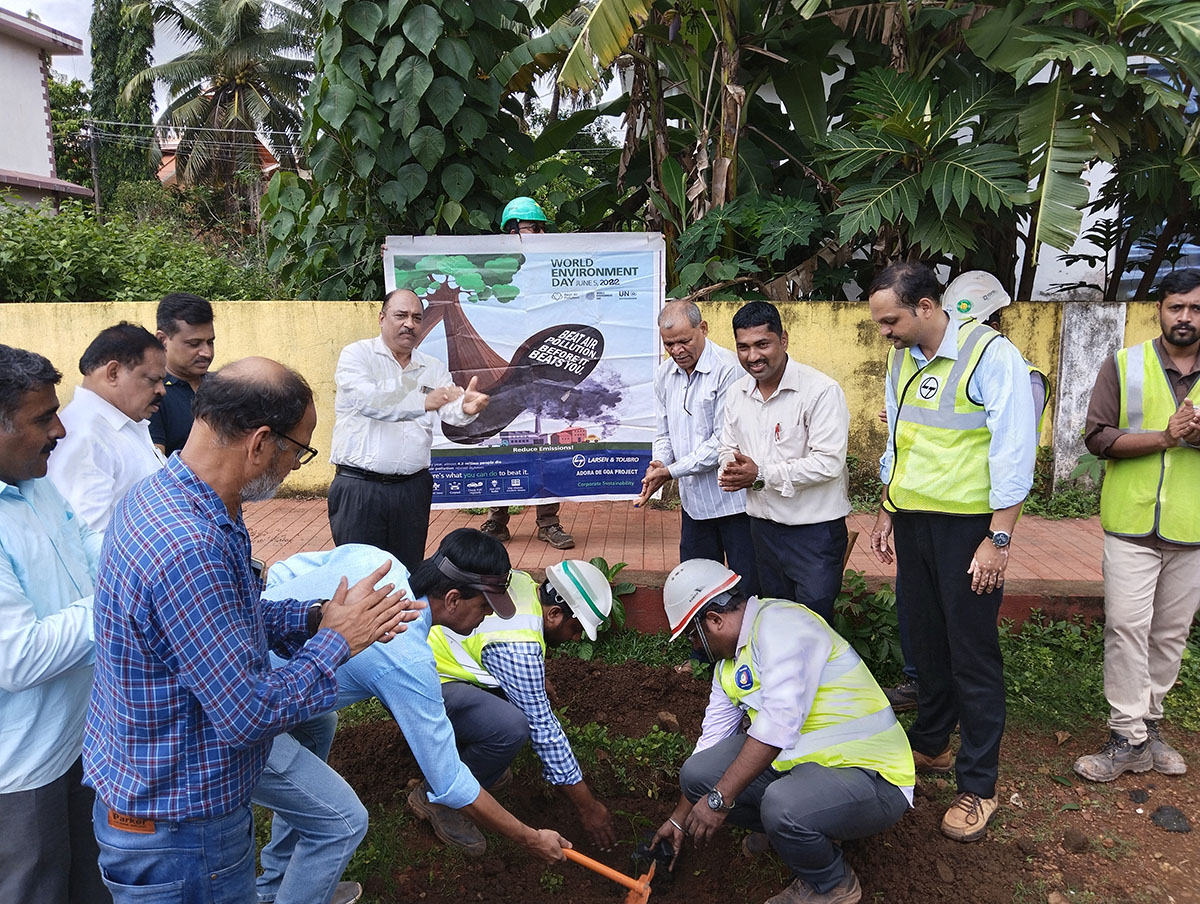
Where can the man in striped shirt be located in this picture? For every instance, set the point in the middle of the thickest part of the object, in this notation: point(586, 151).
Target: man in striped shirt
point(690, 389)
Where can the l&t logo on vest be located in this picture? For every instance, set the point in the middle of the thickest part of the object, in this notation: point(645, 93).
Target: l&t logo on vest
point(929, 387)
point(742, 678)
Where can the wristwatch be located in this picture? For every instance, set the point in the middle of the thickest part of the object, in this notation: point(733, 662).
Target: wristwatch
point(1000, 539)
point(716, 801)
point(759, 482)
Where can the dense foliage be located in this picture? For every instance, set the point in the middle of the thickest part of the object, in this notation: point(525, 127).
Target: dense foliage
point(121, 46)
point(411, 129)
point(69, 100)
point(72, 257)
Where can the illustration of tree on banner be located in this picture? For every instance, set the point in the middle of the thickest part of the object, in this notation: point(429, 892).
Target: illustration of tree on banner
point(550, 363)
point(443, 281)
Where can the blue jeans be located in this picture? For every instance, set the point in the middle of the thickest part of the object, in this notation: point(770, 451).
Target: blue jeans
point(319, 820)
point(208, 861)
point(802, 811)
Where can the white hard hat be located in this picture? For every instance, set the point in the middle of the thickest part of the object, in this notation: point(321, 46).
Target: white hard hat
point(585, 589)
point(691, 585)
point(975, 293)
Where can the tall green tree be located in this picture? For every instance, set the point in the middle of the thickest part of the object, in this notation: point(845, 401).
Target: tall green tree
point(121, 48)
point(242, 76)
point(412, 127)
point(68, 113)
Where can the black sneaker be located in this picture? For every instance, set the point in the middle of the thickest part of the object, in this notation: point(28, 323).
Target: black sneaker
point(556, 536)
point(494, 528)
point(903, 696)
point(1115, 758)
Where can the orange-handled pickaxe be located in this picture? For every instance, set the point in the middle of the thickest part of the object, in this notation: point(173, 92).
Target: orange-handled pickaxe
point(639, 888)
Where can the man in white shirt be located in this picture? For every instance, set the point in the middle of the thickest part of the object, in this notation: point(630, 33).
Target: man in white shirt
point(108, 448)
point(784, 441)
point(690, 390)
point(388, 394)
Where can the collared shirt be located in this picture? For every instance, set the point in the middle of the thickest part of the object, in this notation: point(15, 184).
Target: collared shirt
point(520, 667)
point(171, 424)
point(48, 561)
point(791, 651)
point(798, 439)
point(381, 423)
point(1001, 371)
point(185, 702)
point(690, 415)
point(401, 673)
point(1104, 414)
point(104, 453)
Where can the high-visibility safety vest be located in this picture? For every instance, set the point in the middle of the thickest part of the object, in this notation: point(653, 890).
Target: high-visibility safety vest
point(850, 723)
point(940, 438)
point(1155, 493)
point(460, 658)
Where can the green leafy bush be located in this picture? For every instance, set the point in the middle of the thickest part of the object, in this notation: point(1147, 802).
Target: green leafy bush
point(70, 256)
point(868, 620)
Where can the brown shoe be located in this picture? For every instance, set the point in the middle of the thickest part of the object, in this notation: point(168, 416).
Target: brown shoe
point(451, 826)
point(848, 891)
point(968, 817)
point(943, 762)
point(494, 528)
point(556, 537)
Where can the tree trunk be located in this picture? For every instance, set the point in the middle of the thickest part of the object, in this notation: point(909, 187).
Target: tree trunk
point(1168, 235)
point(1028, 267)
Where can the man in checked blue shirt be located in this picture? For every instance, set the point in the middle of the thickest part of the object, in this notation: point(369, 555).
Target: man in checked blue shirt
point(48, 561)
point(185, 702)
point(494, 685)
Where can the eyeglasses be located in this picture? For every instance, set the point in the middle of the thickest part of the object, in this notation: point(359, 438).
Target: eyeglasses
point(533, 226)
point(306, 453)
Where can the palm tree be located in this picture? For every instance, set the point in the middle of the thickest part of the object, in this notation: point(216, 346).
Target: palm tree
point(243, 78)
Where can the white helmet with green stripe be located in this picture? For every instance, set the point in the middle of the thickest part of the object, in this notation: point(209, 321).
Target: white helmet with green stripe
point(585, 589)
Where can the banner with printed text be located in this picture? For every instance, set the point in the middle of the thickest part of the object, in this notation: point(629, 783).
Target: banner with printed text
point(560, 331)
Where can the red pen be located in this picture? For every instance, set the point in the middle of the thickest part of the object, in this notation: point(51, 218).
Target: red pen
point(776, 433)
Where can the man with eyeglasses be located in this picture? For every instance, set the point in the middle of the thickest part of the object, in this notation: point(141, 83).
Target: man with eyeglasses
point(388, 394)
point(690, 389)
point(467, 579)
point(184, 703)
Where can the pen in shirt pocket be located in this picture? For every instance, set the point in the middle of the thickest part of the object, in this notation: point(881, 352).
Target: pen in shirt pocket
point(777, 434)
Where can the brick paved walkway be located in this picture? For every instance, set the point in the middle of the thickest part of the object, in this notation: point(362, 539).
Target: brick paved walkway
point(1053, 552)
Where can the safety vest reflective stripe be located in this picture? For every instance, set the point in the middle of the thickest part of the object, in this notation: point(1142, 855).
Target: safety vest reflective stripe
point(850, 722)
point(940, 439)
point(460, 658)
point(1154, 493)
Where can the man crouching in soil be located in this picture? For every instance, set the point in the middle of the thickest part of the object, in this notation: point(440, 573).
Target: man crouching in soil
point(824, 758)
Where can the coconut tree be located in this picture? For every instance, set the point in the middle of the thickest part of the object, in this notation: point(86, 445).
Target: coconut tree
point(243, 78)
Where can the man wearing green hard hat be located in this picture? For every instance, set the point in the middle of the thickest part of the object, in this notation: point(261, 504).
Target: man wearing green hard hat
point(524, 216)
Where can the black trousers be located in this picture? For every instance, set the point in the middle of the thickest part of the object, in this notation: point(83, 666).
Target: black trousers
point(48, 852)
point(955, 644)
point(801, 562)
point(392, 516)
point(725, 539)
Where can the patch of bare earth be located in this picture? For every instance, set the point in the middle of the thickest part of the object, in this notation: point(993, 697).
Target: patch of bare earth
point(1056, 838)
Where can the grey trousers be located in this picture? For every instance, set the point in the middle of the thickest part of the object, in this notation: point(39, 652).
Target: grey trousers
point(488, 730)
point(803, 811)
point(48, 852)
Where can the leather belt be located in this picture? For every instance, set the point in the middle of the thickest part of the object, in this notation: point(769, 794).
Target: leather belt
point(374, 476)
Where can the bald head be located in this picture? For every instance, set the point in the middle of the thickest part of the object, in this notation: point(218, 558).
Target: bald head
point(683, 333)
point(251, 393)
point(407, 295)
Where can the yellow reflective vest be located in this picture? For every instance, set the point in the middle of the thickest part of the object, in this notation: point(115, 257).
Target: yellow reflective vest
point(1155, 493)
point(460, 658)
point(940, 437)
point(850, 722)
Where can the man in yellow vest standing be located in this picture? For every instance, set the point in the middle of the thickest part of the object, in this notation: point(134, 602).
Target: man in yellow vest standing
point(956, 470)
point(823, 759)
point(494, 682)
point(1143, 420)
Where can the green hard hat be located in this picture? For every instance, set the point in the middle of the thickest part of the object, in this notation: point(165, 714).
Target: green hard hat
point(522, 208)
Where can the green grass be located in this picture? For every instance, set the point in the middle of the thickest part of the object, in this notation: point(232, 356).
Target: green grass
point(616, 647)
point(1073, 502)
